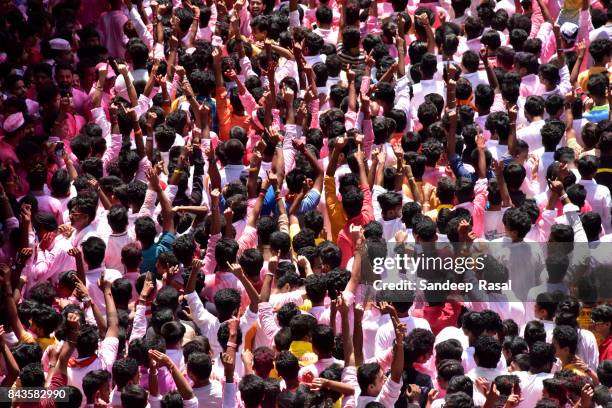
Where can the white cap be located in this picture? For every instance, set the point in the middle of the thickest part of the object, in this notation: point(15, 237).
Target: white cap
point(59, 44)
point(13, 122)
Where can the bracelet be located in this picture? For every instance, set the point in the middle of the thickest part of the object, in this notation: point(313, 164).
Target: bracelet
point(86, 299)
point(269, 274)
point(178, 171)
point(232, 344)
point(563, 197)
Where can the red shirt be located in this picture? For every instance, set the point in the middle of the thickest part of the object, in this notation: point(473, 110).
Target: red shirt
point(345, 241)
point(605, 349)
point(440, 316)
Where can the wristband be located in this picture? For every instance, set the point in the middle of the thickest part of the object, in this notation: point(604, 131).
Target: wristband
point(563, 197)
point(232, 344)
point(269, 274)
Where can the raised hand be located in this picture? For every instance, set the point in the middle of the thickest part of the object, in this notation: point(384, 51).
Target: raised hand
point(423, 19)
point(342, 305)
point(74, 252)
point(214, 197)
point(153, 179)
point(73, 322)
point(235, 268)
point(356, 232)
point(273, 263)
point(148, 288)
point(25, 254)
point(231, 74)
point(162, 359)
point(26, 213)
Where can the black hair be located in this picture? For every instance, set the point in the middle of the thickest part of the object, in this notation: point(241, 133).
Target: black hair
point(124, 370)
point(32, 375)
point(566, 336)
point(227, 301)
point(516, 220)
point(316, 287)
point(534, 331)
point(541, 354)
point(487, 352)
point(94, 250)
point(134, 396)
point(93, 381)
point(200, 365)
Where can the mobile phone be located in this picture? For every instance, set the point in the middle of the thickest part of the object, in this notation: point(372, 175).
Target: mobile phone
point(217, 41)
point(113, 65)
point(59, 150)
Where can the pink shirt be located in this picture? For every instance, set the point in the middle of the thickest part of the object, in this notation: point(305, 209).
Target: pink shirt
point(50, 205)
point(477, 207)
point(7, 152)
point(110, 26)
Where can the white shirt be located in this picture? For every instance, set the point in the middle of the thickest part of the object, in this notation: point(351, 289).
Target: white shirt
point(497, 151)
point(533, 293)
point(176, 355)
point(531, 134)
point(493, 225)
point(531, 387)
point(598, 196)
point(231, 172)
point(476, 78)
point(587, 349)
point(386, 333)
point(209, 396)
point(468, 362)
point(524, 260)
point(107, 353)
point(114, 245)
point(422, 89)
point(488, 373)
point(91, 281)
point(546, 159)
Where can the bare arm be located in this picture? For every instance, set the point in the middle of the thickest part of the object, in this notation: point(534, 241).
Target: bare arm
point(12, 368)
point(236, 269)
point(576, 69)
point(112, 319)
point(512, 141)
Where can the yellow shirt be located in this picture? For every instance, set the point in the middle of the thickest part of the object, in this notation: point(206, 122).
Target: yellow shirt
point(583, 77)
point(302, 350)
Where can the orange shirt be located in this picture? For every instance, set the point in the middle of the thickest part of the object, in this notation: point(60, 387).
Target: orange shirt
point(227, 118)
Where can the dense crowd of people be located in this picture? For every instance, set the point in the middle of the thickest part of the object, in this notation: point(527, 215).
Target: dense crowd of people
point(201, 203)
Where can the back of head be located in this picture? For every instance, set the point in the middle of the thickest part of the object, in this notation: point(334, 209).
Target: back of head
point(252, 390)
point(134, 396)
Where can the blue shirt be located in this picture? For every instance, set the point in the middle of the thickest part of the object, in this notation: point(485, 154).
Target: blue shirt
point(149, 255)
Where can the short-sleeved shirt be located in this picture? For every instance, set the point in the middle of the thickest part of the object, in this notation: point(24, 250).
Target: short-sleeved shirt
point(149, 255)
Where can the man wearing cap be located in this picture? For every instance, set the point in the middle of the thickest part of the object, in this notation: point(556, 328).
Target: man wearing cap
point(61, 51)
point(13, 127)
